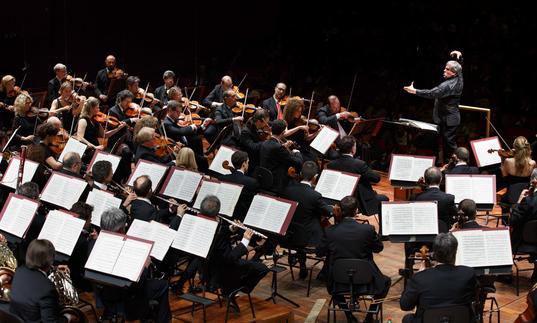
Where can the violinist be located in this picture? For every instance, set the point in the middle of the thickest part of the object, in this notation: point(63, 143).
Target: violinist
point(350, 239)
point(25, 118)
point(255, 131)
point(104, 76)
point(276, 156)
point(297, 128)
point(161, 92)
point(224, 116)
point(274, 105)
point(8, 94)
point(186, 159)
point(216, 96)
point(458, 164)
point(250, 185)
point(72, 164)
point(522, 212)
point(67, 106)
point(466, 216)
point(42, 152)
point(305, 228)
point(53, 87)
point(89, 130)
point(123, 103)
point(335, 117)
point(146, 148)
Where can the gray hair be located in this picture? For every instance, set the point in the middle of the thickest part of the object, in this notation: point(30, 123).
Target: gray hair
point(432, 176)
point(168, 74)
point(455, 67)
point(445, 248)
point(71, 159)
point(29, 190)
point(462, 154)
point(59, 66)
point(210, 206)
point(113, 219)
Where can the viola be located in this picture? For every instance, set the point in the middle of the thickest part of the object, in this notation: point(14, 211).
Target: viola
point(77, 81)
point(148, 97)
point(529, 314)
point(104, 119)
point(117, 74)
point(502, 152)
point(162, 145)
point(198, 106)
point(283, 101)
point(249, 109)
point(238, 93)
point(40, 113)
point(59, 141)
point(313, 124)
point(355, 117)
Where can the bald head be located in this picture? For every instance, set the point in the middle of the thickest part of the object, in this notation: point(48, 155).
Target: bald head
point(55, 121)
point(226, 82)
point(142, 186)
point(432, 176)
point(110, 61)
point(72, 162)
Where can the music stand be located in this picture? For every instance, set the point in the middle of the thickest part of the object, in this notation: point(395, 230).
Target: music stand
point(364, 130)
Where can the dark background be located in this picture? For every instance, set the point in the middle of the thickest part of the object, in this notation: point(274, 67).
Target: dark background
point(310, 46)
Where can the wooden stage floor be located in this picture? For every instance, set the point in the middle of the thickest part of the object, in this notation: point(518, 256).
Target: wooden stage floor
point(389, 261)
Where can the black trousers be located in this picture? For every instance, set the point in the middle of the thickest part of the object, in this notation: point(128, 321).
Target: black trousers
point(248, 272)
point(448, 136)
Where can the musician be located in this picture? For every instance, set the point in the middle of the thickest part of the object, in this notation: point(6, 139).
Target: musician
point(25, 119)
point(441, 286)
point(33, 296)
point(367, 197)
point(175, 93)
point(446, 202)
point(466, 215)
point(142, 208)
point(523, 212)
point(276, 156)
point(161, 93)
point(41, 152)
point(224, 117)
point(253, 133)
point(350, 239)
point(54, 84)
point(72, 164)
point(88, 130)
point(240, 162)
point(146, 148)
point(174, 131)
point(446, 97)
point(458, 164)
point(137, 297)
point(133, 85)
point(216, 96)
point(297, 130)
point(67, 106)
point(102, 81)
point(516, 170)
point(102, 174)
point(273, 105)
point(332, 116)
point(305, 228)
point(186, 158)
point(226, 265)
point(8, 94)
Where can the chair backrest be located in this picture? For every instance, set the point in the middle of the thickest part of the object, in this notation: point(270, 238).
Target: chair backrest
point(7, 317)
point(264, 177)
point(451, 314)
point(361, 270)
point(528, 233)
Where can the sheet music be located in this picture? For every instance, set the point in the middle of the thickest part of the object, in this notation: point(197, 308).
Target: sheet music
point(224, 153)
point(408, 168)
point(62, 190)
point(483, 248)
point(105, 252)
point(17, 215)
point(480, 149)
point(228, 194)
point(481, 189)
point(132, 259)
point(100, 155)
point(324, 139)
point(101, 201)
point(154, 171)
point(195, 235)
point(160, 234)
point(412, 218)
point(63, 230)
point(420, 124)
point(183, 184)
point(336, 185)
point(12, 172)
point(73, 145)
point(267, 213)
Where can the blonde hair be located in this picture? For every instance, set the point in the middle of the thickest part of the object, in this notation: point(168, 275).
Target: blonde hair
point(91, 103)
point(522, 154)
point(65, 85)
point(293, 104)
point(144, 135)
point(145, 121)
point(20, 103)
point(186, 158)
point(6, 79)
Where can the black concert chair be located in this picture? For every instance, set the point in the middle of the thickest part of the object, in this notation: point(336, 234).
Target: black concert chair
point(310, 252)
point(356, 274)
point(6, 316)
point(265, 179)
point(525, 250)
point(451, 314)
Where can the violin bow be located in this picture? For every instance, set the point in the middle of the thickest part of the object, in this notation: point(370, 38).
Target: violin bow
point(290, 90)
point(244, 78)
point(244, 104)
point(23, 79)
point(309, 110)
point(352, 92)
point(143, 100)
point(191, 94)
point(495, 130)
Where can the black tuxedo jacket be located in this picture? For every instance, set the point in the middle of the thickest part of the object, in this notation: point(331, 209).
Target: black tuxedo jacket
point(365, 192)
point(443, 285)
point(463, 169)
point(521, 213)
point(249, 189)
point(144, 211)
point(270, 105)
point(446, 203)
point(143, 152)
point(216, 95)
point(325, 116)
point(53, 88)
point(277, 159)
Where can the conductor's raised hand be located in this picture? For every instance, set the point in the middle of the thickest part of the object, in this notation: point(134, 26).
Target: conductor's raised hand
point(456, 54)
point(410, 89)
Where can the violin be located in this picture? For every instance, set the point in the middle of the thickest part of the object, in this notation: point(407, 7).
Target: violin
point(40, 113)
point(283, 101)
point(59, 141)
point(162, 145)
point(15, 91)
point(185, 120)
point(502, 152)
point(104, 119)
point(198, 106)
point(238, 93)
point(313, 124)
point(77, 81)
point(148, 97)
point(117, 74)
point(249, 109)
point(134, 111)
point(354, 115)
point(529, 314)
